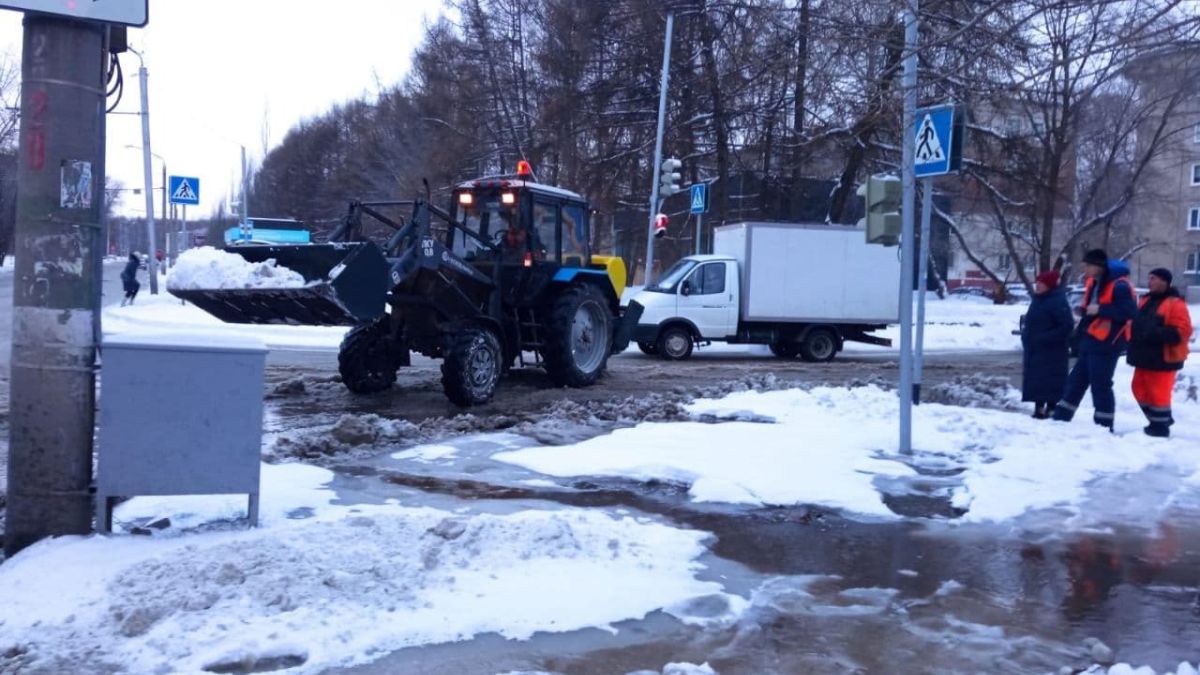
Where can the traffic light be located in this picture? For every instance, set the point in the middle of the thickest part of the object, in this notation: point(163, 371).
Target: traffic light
point(669, 181)
point(882, 222)
point(660, 225)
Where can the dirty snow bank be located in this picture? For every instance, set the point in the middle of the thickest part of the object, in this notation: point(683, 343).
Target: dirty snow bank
point(836, 447)
point(323, 585)
point(209, 268)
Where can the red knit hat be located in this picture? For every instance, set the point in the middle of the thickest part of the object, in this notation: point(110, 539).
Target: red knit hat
point(1049, 278)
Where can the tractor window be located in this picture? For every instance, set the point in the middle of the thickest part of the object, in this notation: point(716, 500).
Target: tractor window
point(574, 232)
point(486, 217)
point(545, 231)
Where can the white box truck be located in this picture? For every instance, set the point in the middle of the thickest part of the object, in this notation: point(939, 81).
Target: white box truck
point(802, 289)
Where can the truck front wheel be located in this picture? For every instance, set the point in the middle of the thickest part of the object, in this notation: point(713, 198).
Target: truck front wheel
point(471, 367)
point(675, 343)
point(820, 345)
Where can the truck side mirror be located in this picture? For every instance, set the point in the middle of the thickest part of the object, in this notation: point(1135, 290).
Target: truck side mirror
point(686, 288)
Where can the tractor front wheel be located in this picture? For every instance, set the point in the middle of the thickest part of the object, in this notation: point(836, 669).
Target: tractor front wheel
point(471, 367)
point(367, 359)
point(579, 333)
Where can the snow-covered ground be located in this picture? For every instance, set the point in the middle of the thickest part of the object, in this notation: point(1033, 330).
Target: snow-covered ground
point(322, 584)
point(835, 447)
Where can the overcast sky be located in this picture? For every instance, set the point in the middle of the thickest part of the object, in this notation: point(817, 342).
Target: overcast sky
point(220, 71)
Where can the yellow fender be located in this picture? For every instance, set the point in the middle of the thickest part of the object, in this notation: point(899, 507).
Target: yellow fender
point(615, 267)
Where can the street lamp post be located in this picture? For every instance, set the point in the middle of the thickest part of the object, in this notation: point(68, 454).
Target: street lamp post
point(161, 188)
point(152, 263)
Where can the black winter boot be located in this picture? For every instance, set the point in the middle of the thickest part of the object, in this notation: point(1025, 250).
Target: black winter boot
point(1158, 430)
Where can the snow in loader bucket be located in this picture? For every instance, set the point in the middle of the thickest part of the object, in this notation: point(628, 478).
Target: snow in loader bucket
point(345, 284)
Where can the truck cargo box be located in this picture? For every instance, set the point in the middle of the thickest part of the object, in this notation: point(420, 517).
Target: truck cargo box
point(812, 273)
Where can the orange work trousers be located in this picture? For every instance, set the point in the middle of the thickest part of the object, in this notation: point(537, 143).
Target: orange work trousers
point(1152, 388)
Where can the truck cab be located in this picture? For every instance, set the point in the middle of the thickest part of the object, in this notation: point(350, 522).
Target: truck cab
point(696, 299)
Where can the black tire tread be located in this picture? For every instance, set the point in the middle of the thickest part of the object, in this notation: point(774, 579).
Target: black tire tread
point(353, 353)
point(559, 363)
point(455, 378)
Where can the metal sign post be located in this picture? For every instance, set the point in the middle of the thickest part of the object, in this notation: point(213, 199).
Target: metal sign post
point(937, 137)
point(658, 142)
point(909, 80)
point(699, 204)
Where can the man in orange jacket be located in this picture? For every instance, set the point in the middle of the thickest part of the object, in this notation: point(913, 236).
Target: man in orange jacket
point(1157, 348)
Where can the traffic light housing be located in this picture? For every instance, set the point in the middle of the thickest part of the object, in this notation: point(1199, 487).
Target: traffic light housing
point(669, 178)
point(882, 194)
point(660, 225)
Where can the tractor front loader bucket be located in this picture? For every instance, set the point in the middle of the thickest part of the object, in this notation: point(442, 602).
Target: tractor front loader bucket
point(345, 284)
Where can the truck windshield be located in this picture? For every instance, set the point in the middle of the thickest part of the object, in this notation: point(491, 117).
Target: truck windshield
point(671, 279)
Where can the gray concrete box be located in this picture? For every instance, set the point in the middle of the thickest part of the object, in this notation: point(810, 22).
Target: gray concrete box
point(178, 416)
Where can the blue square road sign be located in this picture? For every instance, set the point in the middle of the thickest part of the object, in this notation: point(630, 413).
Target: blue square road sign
point(936, 149)
point(184, 190)
point(699, 198)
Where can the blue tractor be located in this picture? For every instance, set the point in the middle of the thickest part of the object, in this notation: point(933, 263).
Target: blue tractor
point(504, 276)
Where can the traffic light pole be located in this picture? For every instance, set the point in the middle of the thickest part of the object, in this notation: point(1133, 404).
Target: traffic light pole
point(658, 143)
point(56, 301)
point(907, 252)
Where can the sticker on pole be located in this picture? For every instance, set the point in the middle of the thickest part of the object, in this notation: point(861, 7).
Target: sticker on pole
point(184, 190)
point(699, 198)
point(937, 141)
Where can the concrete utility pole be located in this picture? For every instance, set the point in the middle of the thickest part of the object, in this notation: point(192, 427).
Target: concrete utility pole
point(907, 240)
point(60, 200)
point(658, 143)
point(245, 190)
point(152, 264)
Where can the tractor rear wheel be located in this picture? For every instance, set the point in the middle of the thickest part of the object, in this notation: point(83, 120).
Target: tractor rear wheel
point(471, 367)
point(367, 358)
point(579, 332)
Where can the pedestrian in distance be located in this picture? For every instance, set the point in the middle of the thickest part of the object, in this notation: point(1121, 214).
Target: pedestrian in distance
point(1107, 310)
point(129, 279)
point(1045, 336)
point(1158, 346)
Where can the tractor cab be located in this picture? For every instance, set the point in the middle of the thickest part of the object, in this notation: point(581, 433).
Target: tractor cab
point(528, 222)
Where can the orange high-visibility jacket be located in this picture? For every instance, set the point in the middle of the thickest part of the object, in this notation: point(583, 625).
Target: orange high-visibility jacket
point(1100, 328)
point(1174, 313)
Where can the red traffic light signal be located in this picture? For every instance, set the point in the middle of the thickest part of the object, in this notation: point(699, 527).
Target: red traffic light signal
point(660, 225)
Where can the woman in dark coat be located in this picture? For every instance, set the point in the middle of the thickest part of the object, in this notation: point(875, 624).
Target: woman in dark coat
point(1044, 338)
point(129, 279)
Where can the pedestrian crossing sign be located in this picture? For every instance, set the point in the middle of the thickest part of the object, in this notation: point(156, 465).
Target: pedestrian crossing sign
point(699, 198)
point(184, 190)
point(937, 139)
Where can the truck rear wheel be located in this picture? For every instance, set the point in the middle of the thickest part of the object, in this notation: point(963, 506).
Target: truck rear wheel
point(578, 337)
point(675, 343)
point(819, 345)
point(471, 367)
point(367, 359)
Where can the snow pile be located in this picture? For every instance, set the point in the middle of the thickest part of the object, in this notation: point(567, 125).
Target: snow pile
point(209, 268)
point(165, 313)
point(323, 585)
point(1184, 668)
point(836, 447)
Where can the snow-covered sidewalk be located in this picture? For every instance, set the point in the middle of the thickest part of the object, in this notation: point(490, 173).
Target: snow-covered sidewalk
point(324, 584)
